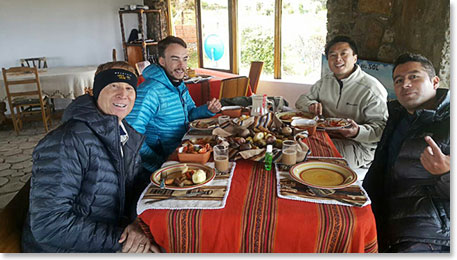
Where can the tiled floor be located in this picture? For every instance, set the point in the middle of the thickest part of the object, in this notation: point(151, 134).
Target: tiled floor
point(16, 156)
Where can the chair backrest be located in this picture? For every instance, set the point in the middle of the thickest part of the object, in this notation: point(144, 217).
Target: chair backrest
point(114, 55)
point(34, 62)
point(254, 74)
point(234, 87)
point(23, 91)
point(140, 66)
point(21, 76)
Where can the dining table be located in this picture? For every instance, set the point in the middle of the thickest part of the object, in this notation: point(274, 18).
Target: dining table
point(61, 82)
point(207, 85)
point(256, 218)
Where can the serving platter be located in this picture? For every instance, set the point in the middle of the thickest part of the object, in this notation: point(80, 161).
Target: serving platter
point(288, 116)
point(323, 175)
point(174, 170)
point(204, 124)
point(333, 123)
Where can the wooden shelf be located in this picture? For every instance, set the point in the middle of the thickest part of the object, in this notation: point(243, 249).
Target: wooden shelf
point(137, 51)
point(139, 11)
point(141, 43)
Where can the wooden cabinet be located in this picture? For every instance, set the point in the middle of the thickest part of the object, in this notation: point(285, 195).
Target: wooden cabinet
point(139, 50)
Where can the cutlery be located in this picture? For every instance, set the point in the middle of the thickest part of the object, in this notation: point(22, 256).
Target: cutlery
point(163, 176)
point(193, 194)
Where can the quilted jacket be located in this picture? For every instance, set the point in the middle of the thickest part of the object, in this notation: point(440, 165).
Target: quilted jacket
point(162, 113)
point(81, 187)
point(409, 203)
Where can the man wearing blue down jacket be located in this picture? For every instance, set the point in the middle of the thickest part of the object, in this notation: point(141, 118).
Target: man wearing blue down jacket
point(85, 176)
point(348, 92)
point(164, 107)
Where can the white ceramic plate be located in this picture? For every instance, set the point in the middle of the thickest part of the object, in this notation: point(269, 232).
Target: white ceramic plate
point(204, 124)
point(170, 169)
point(323, 175)
point(230, 108)
point(287, 117)
point(198, 78)
point(333, 123)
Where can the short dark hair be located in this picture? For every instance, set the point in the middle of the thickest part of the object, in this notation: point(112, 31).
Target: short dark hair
point(116, 65)
point(163, 44)
point(341, 38)
point(413, 57)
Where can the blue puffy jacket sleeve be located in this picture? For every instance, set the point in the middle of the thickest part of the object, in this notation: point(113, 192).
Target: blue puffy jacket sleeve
point(58, 172)
point(193, 111)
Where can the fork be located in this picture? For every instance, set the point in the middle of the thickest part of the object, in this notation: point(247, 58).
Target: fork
point(193, 194)
point(163, 176)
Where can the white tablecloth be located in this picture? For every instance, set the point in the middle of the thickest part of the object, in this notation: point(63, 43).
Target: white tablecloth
point(61, 82)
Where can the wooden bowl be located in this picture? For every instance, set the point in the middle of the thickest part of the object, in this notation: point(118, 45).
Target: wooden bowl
point(231, 111)
point(201, 158)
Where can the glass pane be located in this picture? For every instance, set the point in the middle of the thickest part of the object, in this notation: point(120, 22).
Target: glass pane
point(215, 34)
point(256, 34)
point(304, 28)
point(185, 27)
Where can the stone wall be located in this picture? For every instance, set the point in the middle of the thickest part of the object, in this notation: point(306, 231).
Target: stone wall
point(153, 25)
point(384, 29)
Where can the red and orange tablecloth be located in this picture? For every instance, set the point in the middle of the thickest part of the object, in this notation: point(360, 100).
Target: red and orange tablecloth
point(255, 220)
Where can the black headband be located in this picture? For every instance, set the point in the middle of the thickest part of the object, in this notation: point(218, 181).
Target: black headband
point(107, 77)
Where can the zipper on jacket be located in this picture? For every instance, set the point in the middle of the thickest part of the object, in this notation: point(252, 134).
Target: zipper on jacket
point(341, 90)
point(121, 176)
point(183, 104)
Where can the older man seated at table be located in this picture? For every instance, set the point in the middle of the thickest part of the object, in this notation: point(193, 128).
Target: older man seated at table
point(164, 107)
point(84, 184)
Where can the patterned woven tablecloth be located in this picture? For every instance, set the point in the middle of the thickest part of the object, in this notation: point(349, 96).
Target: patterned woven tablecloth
point(256, 220)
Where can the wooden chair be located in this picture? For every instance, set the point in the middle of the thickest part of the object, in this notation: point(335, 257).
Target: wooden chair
point(27, 100)
point(234, 87)
point(12, 219)
point(254, 74)
point(140, 66)
point(114, 55)
point(34, 62)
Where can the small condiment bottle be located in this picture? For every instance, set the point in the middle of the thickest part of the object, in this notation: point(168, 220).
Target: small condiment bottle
point(269, 157)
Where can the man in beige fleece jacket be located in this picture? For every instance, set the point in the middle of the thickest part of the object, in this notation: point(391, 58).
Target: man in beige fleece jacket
point(348, 92)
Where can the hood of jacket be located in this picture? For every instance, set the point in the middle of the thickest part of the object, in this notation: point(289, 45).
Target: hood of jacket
point(155, 72)
point(105, 127)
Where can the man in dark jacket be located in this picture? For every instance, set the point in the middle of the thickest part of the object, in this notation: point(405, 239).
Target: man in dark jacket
point(84, 184)
point(409, 179)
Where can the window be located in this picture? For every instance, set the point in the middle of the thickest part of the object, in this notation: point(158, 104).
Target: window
point(233, 37)
point(215, 38)
point(184, 25)
point(256, 21)
point(303, 39)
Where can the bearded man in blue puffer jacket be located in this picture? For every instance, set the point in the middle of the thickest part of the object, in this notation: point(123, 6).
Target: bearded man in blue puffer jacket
point(164, 107)
point(85, 176)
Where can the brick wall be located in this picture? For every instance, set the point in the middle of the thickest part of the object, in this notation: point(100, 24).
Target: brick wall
point(187, 32)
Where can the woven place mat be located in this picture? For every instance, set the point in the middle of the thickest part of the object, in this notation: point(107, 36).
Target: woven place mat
point(288, 188)
point(210, 196)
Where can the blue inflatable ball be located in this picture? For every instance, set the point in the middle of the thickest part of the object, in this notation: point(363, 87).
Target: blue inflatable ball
point(214, 47)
